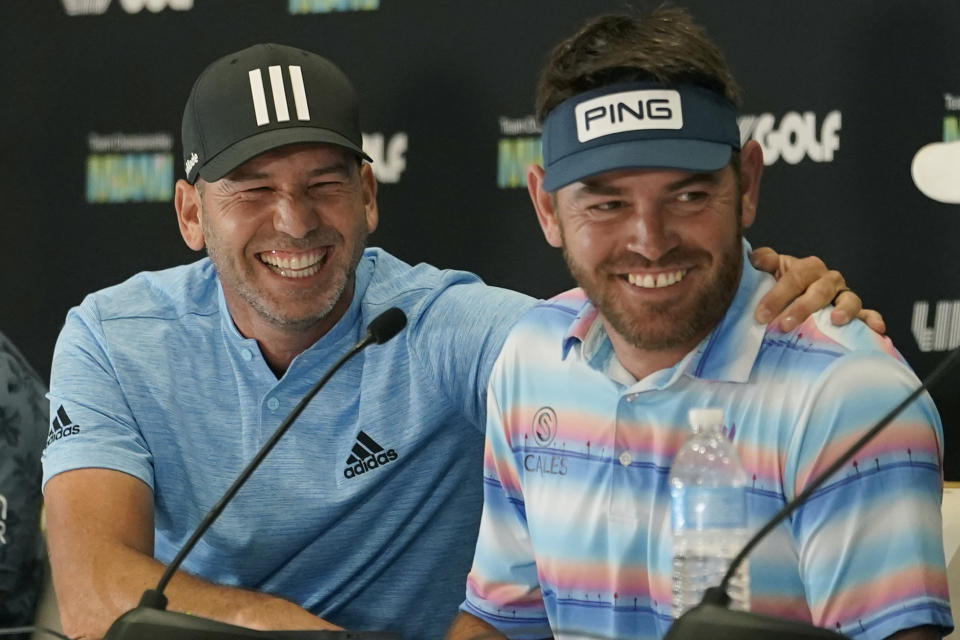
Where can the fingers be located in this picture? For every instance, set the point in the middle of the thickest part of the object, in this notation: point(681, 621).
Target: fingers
point(815, 297)
point(806, 286)
point(766, 259)
point(874, 320)
point(847, 306)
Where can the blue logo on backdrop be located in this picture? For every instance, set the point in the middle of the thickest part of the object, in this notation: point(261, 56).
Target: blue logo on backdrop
point(331, 6)
point(519, 147)
point(130, 168)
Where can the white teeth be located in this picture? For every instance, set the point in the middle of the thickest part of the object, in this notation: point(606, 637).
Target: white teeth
point(662, 279)
point(298, 266)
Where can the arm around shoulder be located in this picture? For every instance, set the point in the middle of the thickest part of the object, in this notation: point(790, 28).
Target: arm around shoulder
point(100, 530)
point(470, 627)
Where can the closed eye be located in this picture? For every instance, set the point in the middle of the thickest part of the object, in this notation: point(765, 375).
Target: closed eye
point(607, 205)
point(692, 196)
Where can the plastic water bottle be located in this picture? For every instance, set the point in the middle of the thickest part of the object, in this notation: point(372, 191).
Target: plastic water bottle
point(708, 503)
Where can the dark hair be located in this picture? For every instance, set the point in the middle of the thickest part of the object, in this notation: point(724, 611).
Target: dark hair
point(665, 45)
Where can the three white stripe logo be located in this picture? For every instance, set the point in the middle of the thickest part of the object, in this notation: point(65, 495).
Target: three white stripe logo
point(279, 95)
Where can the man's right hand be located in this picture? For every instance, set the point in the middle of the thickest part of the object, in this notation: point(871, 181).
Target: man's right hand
point(100, 538)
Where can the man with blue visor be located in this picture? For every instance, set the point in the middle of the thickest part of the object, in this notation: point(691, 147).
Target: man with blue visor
point(647, 190)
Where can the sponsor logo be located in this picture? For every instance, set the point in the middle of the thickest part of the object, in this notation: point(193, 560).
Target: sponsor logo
point(796, 137)
point(388, 155)
point(130, 168)
point(155, 6)
point(279, 95)
point(191, 162)
point(932, 165)
point(330, 6)
point(99, 7)
point(3, 519)
point(516, 152)
point(628, 111)
point(367, 455)
point(62, 427)
point(85, 7)
point(945, 332)
point(544, 426)
point(544, 431)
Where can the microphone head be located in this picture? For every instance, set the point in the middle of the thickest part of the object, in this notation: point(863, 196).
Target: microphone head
point(386, 325)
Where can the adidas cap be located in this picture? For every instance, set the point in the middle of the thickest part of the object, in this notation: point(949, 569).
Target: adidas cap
point(261, 98)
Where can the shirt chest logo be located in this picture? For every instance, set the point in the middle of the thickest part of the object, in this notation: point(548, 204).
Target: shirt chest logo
point(367, 455)
point(548, 460)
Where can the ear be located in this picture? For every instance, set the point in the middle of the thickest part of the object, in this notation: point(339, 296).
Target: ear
point(189, 206)
point(368, 184)
point(751, 169)
point(543, 202)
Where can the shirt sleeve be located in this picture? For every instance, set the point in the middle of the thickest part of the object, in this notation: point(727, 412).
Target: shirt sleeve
point(458, 332)
point(23, 425)
point(870, 539)
point(91, 423)
point(503, 587)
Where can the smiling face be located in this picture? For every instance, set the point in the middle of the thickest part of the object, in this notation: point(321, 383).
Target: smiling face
point(658, 252)
point(285, 231)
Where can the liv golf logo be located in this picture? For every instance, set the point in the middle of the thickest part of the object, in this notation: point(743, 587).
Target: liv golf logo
point(943, 333)
point(795, 137)
point(98, 7)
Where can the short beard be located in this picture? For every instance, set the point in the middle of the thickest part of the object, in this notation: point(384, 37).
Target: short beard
point(233, 281)
point(704, 311)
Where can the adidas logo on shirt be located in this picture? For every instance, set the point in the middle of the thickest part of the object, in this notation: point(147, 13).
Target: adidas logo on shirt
point(367, 455)
point(62, 427)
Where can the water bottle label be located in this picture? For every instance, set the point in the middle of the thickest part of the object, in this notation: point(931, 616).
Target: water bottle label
point(708, 508)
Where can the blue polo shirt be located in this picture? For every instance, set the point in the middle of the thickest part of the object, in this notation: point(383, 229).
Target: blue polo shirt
point(366, 512)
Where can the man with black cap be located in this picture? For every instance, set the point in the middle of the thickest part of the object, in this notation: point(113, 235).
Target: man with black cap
point(365, 514)
point(646, 188)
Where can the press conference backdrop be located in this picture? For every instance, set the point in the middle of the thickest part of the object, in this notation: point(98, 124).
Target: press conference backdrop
point(841, 95)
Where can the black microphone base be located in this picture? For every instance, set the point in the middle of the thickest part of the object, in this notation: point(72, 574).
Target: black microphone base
point(716, 622)
point(145, 623)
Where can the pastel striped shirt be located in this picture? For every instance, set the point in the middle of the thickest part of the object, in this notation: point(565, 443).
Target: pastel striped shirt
point(575, 534)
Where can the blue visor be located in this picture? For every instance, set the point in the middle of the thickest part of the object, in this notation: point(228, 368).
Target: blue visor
point(638, 125)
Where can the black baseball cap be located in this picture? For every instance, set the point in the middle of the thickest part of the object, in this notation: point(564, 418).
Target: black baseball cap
point(261, 98)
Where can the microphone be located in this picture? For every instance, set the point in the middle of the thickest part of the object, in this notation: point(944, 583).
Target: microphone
point(712, 619)
point(151, 621)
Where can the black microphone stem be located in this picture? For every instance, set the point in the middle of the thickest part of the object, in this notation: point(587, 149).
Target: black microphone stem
point(155, 598)
point(800, 499)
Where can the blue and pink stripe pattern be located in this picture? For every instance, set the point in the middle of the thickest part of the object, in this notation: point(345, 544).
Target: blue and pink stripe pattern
point(575, 535)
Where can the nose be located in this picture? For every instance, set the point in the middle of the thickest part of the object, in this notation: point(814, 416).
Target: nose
point(649, 235)
point(294, 216)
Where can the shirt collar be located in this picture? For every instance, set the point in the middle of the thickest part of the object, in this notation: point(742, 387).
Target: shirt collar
point(726, 354)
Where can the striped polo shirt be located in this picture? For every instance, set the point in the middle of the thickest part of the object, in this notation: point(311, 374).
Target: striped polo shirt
point(575, 533)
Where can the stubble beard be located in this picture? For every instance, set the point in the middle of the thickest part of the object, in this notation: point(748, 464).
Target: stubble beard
point(240, 279)
point(668, 325)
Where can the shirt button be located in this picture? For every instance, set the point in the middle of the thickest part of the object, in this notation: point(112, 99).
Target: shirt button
point(626, 459)
point(273, 403)
point(246, 355)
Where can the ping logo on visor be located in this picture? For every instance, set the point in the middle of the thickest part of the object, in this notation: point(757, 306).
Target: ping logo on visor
point(637, 125)
point(628, 111)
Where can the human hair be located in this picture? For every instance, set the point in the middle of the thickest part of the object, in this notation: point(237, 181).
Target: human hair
point(664, 45)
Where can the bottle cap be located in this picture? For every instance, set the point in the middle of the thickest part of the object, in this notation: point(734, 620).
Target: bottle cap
point(705, 417)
